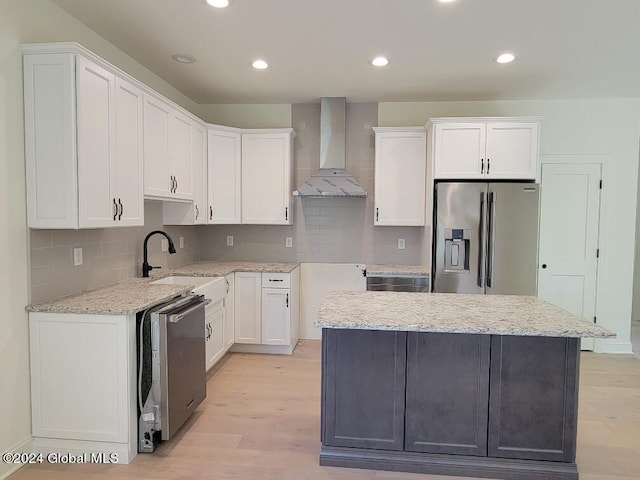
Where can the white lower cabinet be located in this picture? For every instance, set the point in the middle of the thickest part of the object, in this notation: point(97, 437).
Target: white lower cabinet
point(267, 311)
point(276, 316)
point(83, 384)
point(229, 307)
point(248, 312)
point(214, 324)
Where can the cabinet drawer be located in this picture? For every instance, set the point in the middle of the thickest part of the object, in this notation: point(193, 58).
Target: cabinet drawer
point(276, 280)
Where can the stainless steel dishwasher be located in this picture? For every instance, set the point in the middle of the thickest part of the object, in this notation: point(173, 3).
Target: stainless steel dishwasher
point(177, 383)
point(398, 283)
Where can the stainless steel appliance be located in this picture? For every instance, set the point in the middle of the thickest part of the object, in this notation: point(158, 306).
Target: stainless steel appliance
point(398, 283)
point(486, 238)
point(175, 384)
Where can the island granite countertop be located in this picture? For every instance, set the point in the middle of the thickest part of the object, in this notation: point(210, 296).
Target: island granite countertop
point(137, 294)
point(452, 313)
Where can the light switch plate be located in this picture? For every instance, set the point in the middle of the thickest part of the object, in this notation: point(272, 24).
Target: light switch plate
point(181, 242)
point(288, 242)
point(164, 245)
point(77, 256)
point(229, 240)
point(401, 244)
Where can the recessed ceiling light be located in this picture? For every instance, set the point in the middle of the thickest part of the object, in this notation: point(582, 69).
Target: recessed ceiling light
point(506, 57)
point(218, 3)
point(183, 58)
point(380, 61)
point(446, 1)
point(260, 64)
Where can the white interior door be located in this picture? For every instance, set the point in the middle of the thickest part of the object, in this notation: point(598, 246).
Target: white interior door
point(569, 219)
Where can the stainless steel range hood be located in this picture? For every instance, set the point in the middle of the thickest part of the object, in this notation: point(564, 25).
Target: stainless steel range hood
point(332, 179)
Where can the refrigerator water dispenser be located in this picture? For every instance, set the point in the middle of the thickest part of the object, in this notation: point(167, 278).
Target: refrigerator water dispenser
point(456, 249)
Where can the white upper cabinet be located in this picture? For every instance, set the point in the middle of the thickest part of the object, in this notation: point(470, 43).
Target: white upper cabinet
point(400, 176)
point(224, 173)
point(181, 154)
point(192, 213)
point(199, 164)
point(267, 168)
point(83, 134)
point(485, 148)
point(157, 113)
point(128, 158)
point(167, 151)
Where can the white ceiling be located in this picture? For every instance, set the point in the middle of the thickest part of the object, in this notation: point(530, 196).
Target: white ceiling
point(315, 48)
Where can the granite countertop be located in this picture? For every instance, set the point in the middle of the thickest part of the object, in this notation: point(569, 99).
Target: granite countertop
point(124, 298)
point(220, 269)
point(137, 294)
point(416, 270)
point(452, 313)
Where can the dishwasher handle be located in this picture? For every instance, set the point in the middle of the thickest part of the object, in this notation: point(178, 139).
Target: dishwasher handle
point(181, 315)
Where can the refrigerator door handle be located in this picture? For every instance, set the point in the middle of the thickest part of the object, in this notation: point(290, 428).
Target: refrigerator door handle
point(481, 242)
point(492, 235)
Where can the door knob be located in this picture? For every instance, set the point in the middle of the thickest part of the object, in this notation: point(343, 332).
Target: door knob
point(544, 265)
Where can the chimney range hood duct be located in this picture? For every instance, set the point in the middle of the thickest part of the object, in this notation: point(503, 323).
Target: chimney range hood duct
point(332, 179)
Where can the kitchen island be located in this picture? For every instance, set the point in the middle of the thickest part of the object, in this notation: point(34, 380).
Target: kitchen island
point(451, 384)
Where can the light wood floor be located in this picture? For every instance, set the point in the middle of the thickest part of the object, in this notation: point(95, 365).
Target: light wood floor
point(261, 420)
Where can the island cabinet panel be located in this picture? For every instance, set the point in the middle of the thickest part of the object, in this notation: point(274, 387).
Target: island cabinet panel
point(364, 388)
point(534, 397)
point(447, 393)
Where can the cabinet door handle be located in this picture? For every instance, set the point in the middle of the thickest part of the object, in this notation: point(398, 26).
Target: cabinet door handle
point(210, 212)
point(286, 214)
point(482, 165)
point(121, 209)
point(488, 165)
point(176, 180)
point(377, 214)
point(115, 210)
point(287, 300)
point(197, 212)
point(228, 285)
point(275, 280)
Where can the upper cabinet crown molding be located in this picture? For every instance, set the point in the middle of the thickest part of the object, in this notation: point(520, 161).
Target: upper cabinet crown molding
point(484, 148)
point(522, 119)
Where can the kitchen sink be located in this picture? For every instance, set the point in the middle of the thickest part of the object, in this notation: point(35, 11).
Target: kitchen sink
point(213, 288)
point(177, 280)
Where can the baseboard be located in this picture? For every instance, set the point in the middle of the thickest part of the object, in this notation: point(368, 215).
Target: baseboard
point(440, 464)
point(269, 349)
point(612, 346)
point(85, 451)
point(7, 469)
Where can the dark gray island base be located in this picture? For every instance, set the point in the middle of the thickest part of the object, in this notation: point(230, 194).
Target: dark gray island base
point(477, 405)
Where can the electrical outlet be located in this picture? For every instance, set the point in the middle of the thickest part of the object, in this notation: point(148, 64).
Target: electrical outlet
point(181, 242)
point(288, 242)
point(164, 245)
point(77, 256)
point(229, 240)
point(401, 244)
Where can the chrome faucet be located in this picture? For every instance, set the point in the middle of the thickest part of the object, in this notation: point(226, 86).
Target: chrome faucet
point(146, 268)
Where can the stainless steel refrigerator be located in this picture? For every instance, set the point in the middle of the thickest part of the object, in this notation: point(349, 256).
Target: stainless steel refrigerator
point(486, 238)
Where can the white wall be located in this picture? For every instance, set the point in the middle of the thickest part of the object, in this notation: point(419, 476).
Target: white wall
point(275, 115)
point(577, 129)
point(30, 21)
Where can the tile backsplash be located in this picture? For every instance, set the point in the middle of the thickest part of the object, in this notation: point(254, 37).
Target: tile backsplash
point(333, 230)
point(110, 255)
